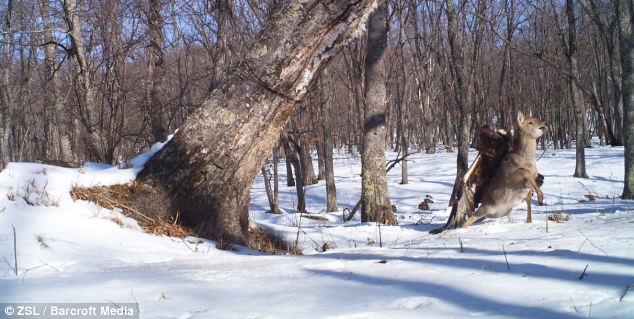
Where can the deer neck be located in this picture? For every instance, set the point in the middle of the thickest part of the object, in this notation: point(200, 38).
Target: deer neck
point(527, 148)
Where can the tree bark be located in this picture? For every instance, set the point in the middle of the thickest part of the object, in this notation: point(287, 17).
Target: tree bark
point(625, 15)
point(205, 172)
point(376, 206)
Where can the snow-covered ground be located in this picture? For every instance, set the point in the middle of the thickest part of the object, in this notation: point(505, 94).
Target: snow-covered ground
point(75, 251)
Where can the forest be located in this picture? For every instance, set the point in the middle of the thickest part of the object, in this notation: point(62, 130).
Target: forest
point(100, 80)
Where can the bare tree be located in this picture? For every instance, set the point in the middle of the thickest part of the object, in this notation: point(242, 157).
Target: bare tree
point(87, 109)
point(5, 95)
point(570, 48)
point(53, 99)
point(625, 13)
point(462, 92)
point(374, 192)
point(156, 69)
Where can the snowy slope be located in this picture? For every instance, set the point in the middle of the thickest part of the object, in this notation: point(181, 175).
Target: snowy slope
point(74, 251)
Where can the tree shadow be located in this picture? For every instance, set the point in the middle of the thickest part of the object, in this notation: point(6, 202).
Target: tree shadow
point(450, 295)
point(617, 281)
point(556, 253)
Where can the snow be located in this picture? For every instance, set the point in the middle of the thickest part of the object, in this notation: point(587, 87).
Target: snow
point(74, 252)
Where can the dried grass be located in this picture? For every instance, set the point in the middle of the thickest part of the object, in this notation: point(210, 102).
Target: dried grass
point(270, 243)
point(315, 217)
point(559, 217)
point(117, 196)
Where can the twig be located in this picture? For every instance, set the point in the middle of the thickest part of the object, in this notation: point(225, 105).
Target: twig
point(583, 274)
point(36, 267)
point(380, 239)
point(461, 248)
point(15, 251)
point(590, 310)
point(591, 243)
point(183, 239)
point(299, 227)
point(506, 259)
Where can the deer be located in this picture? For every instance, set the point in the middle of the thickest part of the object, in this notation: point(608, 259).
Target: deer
point(516, 178)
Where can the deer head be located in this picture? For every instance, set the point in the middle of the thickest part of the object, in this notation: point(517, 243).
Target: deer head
point(531, 126)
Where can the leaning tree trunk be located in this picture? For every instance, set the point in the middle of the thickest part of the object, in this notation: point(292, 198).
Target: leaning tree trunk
point(206, 171)
point(374, 192)
point(625, 12)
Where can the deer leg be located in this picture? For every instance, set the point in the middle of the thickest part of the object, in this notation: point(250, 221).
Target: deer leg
point(479, 214)
point(528, 206)
point(531, 181)
point(487, 210)
point(471, 220)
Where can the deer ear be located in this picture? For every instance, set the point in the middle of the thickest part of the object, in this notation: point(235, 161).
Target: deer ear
point(520, 117)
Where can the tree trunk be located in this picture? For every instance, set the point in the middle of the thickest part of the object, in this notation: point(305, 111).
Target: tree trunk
point(625, 15)
point(308, 171)
point(292, 156)
point(577, 99)
point(85, 91)
point(331, 189)
point(59, 137)
point(276, 180)
point(321, 169)
point(5, 96)
point(290, 181)
point(206, 171)
point(156, 70)
point(457, 63)
point(376, 205)
point(273, 207)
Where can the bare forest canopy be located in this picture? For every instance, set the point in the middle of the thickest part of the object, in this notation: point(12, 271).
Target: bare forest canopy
point(99, 80)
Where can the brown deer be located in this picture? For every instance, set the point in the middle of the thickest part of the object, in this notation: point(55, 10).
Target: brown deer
point(516, 177)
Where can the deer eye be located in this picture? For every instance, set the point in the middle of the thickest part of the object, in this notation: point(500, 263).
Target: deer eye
point(530, 122)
